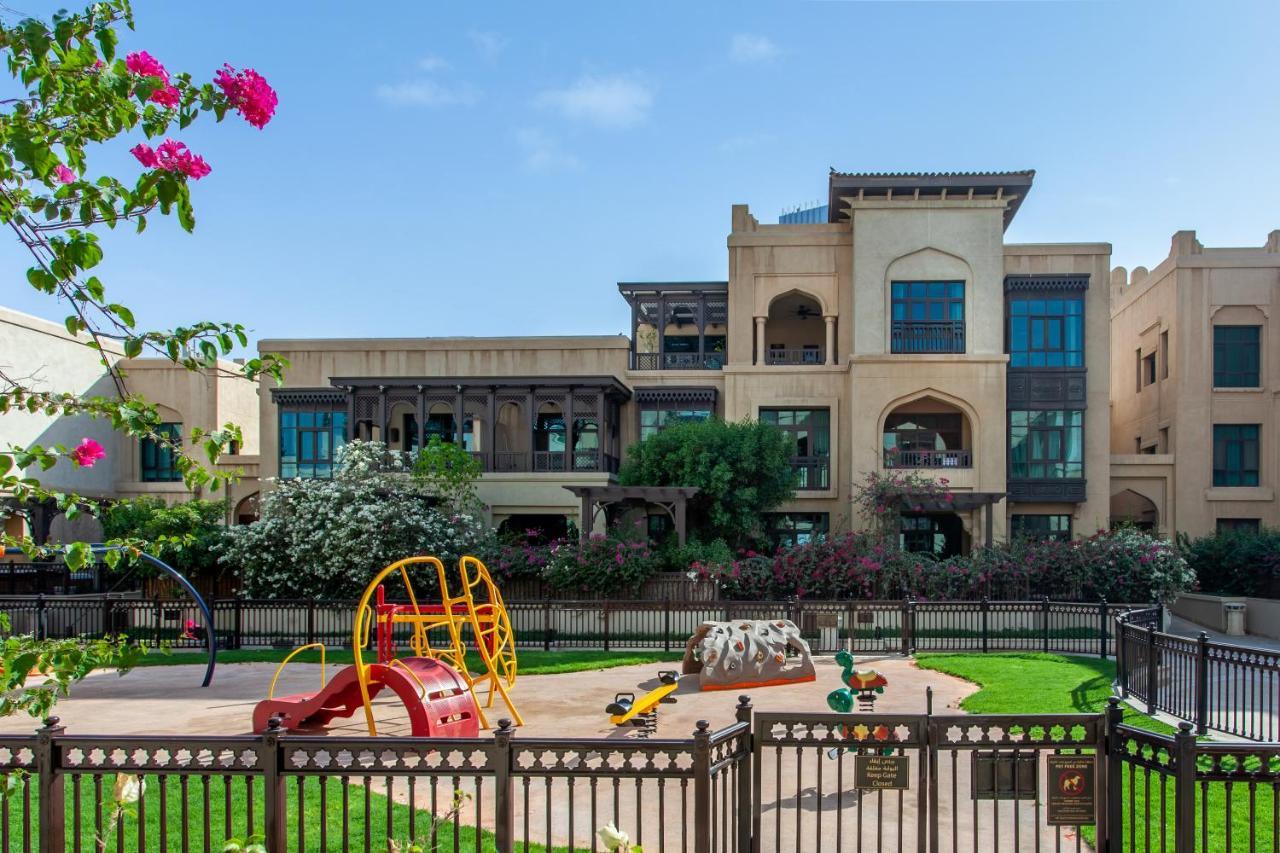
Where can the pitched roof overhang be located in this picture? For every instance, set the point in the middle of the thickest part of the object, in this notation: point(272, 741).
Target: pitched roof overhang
point(845, 187)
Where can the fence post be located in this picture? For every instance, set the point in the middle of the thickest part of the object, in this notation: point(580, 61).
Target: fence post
point(106, 616)
point(1152, 680)
point(985, 607)
point(1102, 628)
point(1184, 831)
point(504, 821)
point(1122, 654)
point(1202, 683)
point(1044, 610)
point(702, 788)
point(666, 624)
point(42, 623)
point(311, 621)
point(275, 824)
point(1111, 835)
point(605, 612)
point(238, 627)
point(52, 811)
point(546, 624)
point(909, 627)
point(746, 779)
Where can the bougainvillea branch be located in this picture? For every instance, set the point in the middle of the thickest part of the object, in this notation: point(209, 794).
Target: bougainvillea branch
point(76, 93)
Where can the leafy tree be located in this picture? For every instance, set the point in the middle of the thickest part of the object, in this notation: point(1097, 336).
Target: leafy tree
point(184, 535)
point(1239, 562)
point(449, 472)
point(741, 470)
point(73, 92)
point(326, 538)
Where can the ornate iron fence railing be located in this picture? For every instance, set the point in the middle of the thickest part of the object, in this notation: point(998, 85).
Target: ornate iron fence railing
point(767, 782)
point(1223, 687)
point(889, 626)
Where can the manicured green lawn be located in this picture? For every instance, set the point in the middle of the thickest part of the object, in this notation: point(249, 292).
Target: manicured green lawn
point(1028, 683)
point(362, 811)
point(1034, 683)
point(531, 661)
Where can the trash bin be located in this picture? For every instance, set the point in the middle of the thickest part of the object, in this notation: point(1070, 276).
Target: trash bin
point(1234, 612)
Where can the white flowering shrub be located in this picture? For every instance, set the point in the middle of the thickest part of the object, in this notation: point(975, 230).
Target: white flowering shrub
point(326, 538)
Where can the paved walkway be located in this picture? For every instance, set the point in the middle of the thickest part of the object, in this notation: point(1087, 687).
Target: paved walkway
point(1187, 628)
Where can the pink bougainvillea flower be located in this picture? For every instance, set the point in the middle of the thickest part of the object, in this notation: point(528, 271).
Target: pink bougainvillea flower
point(87, 453)
point(248, 93)
point(146, 65)
point(145, 155)
point(166, 97)
point(63, 174)
point(171, 156)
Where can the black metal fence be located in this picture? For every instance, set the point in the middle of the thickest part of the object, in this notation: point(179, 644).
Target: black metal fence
point(767, 782)
point(1219, 686)
point(868, 627)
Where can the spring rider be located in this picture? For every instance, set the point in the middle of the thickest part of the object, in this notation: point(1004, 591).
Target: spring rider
point(862, 688)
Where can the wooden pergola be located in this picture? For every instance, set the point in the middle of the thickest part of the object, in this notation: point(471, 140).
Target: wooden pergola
point(672, 499)
point(959, 502)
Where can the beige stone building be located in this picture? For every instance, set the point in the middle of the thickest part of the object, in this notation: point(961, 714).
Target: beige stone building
point(1195, 379)
point(899, 333)
point(45, 356)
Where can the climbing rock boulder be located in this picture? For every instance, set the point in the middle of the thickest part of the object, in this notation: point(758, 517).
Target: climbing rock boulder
point(748, 653)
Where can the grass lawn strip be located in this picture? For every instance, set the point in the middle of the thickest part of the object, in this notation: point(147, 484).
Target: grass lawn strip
point(531, 661)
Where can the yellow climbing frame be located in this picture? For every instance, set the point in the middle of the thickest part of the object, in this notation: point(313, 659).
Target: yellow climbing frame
point(488, 620)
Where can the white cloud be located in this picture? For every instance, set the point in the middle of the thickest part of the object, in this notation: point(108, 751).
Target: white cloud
point(425, 93)
point(489, 44)
point(612, 102)
point(542, 153)
point(432, 63)
point(746, 47)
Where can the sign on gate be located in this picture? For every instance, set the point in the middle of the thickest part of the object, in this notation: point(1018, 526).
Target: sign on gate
point(882, 772)
point(1070, 795)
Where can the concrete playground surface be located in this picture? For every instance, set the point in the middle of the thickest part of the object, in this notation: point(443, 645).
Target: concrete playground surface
point(798, 805)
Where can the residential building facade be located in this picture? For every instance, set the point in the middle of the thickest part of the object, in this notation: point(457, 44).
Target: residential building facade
point(1195, 384)
point(45, 356)
point(900, 334)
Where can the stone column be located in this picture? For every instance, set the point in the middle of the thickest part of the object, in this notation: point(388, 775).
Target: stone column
point(760, 326)
point(830, 320)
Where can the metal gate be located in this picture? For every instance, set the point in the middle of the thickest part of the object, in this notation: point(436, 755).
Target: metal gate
point(895, 783)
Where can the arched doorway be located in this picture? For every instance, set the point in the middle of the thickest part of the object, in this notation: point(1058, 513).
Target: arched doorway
point(1130, 508)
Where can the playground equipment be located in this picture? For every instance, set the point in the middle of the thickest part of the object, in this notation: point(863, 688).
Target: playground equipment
point(643, 712)
point(192, 631)
point(722, 656)
point(750, 653)
point(433, 683)
point(862, 686)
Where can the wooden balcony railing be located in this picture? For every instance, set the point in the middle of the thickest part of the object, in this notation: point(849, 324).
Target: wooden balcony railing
point(928, 459)
point(547, 461)
point(924, 336)
point(677, 361)
point(813, 473)
point(807, 355)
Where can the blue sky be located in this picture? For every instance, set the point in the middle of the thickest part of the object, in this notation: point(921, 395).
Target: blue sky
point(495, 169)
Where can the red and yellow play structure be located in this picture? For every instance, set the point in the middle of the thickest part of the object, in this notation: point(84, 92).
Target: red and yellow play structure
point(433, 681)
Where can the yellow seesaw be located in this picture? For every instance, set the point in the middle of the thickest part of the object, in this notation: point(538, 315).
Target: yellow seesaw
point(643, 712)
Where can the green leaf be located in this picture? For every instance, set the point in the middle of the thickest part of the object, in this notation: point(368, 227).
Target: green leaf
point(33, 153)
point(76, 556)
point(107, 39)
point(125, 315)
point(132, 347)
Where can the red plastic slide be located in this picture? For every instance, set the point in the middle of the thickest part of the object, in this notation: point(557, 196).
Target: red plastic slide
point(436, 697)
